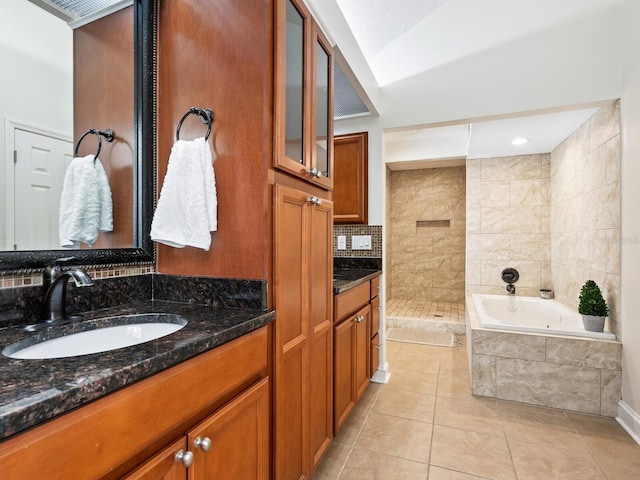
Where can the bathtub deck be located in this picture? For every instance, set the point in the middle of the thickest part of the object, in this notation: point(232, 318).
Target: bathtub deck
point(423, 315)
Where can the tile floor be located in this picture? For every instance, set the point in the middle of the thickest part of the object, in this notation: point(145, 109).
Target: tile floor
point(425, 424)
point(426, 310)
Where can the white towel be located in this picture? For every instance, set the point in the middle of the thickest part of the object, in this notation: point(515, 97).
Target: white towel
point(187, 210)
point(85, 205)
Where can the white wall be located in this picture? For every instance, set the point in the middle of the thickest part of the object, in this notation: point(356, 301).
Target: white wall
point(36, 84)
point(630, 223)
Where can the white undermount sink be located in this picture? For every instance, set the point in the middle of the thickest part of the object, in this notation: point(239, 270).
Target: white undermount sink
point(102, 339)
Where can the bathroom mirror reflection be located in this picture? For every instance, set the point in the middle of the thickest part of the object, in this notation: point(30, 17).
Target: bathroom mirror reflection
point(60, 82)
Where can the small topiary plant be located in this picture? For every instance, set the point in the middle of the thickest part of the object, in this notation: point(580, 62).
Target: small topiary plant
point(591, 300)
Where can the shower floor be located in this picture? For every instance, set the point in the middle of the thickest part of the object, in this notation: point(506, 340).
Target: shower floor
point(424, 315)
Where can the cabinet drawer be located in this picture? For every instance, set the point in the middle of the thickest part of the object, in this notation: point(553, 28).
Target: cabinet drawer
point(352, 300)
point(375, 287)
point(375, 355)
point(375, 316)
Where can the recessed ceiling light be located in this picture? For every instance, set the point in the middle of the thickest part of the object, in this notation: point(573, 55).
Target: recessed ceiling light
point(519, 141)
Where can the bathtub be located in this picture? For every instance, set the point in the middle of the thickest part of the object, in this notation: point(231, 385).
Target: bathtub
point(531, 314)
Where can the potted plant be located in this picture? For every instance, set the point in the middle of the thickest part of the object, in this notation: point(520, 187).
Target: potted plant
point(592, 307)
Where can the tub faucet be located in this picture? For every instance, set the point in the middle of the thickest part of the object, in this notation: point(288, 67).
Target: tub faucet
point(511, 289)
point(510, 276)
point(54, 282)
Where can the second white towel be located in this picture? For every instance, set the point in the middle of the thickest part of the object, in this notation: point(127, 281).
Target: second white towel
point(187, 210)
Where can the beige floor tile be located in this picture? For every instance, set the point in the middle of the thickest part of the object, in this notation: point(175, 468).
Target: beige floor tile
point(475, 453)
point(533, 462)
point(413, 381)
point(544, 426)
point(332, 463)
point(453, 360)
point(604, 436)
point(475, 414)
point(392, 350)
point(366, 465)
point(437, 473)
point(400, 437)
point(411, 405)
point(429, 362)
point(617, 468)
point(454, 384)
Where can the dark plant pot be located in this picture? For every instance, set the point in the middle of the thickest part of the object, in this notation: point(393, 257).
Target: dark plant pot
point(593, 323)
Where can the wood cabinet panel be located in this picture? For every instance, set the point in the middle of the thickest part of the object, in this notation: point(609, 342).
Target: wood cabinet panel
point(375, 354)
point(352, 300)
point(375, 316)
point(350, 185)
point(218, 55)
point(362, 348)
point(163, 466)
point(239, 436)
point(343, 377)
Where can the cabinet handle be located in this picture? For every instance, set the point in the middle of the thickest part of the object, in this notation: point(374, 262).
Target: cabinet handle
point(377, 307)
point(314, 172)
point(315, 200)
point(186, 458)
point(358, 319)
point(378, 347)
point(202, 443)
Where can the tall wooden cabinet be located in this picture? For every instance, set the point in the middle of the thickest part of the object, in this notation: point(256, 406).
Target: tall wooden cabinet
point(350, 189)
point(303, 243)
point(303, 332)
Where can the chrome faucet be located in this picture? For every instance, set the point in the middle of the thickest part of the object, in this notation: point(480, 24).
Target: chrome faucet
point(54, 282)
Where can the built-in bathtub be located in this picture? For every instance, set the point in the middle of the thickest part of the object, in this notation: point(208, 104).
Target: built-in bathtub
point(540, 354)
point(531, 314)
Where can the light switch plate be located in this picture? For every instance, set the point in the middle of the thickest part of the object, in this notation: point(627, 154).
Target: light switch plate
point(361, 242)
point(342, 242)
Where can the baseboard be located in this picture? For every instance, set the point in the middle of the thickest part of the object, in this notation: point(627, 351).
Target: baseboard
point(630, 420)
point(382, 375)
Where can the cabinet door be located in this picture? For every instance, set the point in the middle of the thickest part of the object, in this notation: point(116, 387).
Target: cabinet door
point(375, 316)
point(320, 276)
point(375, 355)
point(344, 395)
point(361, 352)
point(291, 409)
point(350, 186)
point(234, 441)
point(303, 96)
point(164, 465)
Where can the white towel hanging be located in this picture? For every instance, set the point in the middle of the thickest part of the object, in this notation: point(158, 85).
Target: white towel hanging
point(86, 206)
point(187, 210)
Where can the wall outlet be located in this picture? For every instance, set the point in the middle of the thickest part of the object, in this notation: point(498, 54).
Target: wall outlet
point(342, 242)
point(361, 242)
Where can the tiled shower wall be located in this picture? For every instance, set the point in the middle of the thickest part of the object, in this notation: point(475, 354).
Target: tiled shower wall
point(427, 234)
point(508, 223)
point(585, 211)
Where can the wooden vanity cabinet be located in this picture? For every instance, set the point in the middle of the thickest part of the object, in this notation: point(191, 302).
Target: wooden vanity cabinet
point(144, 425)
point(352, 339)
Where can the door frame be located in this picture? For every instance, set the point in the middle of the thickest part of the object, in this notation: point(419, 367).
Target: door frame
point(10, 127)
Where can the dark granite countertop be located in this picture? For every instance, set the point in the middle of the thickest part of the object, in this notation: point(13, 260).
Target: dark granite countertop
point(346, 278)
point(33, 391)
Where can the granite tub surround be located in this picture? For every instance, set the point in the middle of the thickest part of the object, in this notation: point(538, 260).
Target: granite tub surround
point(34, 391)
point(577, 374)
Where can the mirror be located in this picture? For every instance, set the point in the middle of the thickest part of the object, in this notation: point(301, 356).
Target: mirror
point(109, 84)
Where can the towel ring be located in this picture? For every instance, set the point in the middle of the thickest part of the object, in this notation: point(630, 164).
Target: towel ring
point(207, 119)
point(108, 135)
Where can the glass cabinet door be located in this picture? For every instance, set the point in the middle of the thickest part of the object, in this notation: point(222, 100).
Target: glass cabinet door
point(294, 82)
point(322, 150)
point(303, 101)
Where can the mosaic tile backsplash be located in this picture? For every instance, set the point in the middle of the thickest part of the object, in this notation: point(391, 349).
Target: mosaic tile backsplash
point(348, 230)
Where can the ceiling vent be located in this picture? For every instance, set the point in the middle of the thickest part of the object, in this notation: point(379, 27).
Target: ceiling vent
point(80, 12)
point(346, 101)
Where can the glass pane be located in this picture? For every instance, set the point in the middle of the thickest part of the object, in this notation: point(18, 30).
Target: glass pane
point(322, 112)
point(294, 84)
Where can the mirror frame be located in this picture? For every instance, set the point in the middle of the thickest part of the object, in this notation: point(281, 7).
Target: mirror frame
point(143, 186)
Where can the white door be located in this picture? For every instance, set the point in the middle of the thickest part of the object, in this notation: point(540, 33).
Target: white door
point(40, 165)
